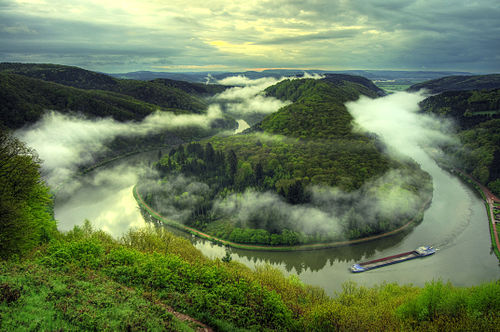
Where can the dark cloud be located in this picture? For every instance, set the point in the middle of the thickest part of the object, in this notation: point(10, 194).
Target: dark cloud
point(347, 33)
point(329, 34)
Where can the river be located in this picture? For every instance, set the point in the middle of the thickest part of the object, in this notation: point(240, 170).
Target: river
point(456, 222)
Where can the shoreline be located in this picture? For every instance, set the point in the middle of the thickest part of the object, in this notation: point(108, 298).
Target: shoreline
point(263, 247)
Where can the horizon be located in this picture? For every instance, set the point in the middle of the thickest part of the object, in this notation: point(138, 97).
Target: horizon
point(234, 36)
point(258, 70)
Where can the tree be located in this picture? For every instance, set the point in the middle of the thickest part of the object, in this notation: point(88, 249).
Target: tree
point(209, 154)
point(25, 204)
point(231, 164)
point(259, 173)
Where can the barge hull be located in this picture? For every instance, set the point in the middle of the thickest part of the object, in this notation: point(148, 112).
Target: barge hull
point(373, 264)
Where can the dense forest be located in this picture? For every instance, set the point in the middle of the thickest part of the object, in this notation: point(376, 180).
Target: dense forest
point(295, 155)
point(27, 91)
point(26, 218)
point(458, 83)
point(476, 113)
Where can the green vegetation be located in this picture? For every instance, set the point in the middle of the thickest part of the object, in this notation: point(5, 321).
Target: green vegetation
point(24, 100)
point(459, 83)
point(476, 113)
point(308, 144)
point(27, 91)
point(467, 108)
point(26, 217)
point(84, 279)
point(394, 85)
point(491, 220)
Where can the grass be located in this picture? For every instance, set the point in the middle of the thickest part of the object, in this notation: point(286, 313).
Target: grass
point(86, 280)
point(76, 300)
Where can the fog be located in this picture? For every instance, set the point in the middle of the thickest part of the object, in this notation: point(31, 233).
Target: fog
point(397, 120)
point(64, 141)
point(246, 98)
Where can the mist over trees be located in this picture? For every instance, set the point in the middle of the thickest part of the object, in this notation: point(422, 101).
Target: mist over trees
point(268, 185)
point(476, 112)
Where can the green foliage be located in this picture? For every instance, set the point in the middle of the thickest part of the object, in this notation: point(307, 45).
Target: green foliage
point(476, 307)
point(45, 300)
point(27, 90)
point(88, 281)
point(459, 83)
point(318, 110)
point(309, 142)
point(24, 100)
point(477, 115)
point(25, 204)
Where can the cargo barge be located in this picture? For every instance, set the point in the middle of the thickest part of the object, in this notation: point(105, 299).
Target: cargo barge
point(370, 265)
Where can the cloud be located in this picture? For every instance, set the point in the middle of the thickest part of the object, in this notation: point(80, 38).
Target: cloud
point(324, 34)
point(247, 97)
point(65, 141)
point(397, 120)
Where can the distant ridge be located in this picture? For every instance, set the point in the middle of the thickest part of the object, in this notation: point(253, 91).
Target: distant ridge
point(459, 83)
point(201, 77)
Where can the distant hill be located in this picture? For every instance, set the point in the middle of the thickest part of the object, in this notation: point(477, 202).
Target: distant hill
point(459, 83)
point(468, 108)
point(171, 94)
point(201, 77)
point(23, 100)
point(318, 109)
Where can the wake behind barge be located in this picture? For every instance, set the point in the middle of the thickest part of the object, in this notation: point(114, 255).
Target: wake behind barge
point(370, 265)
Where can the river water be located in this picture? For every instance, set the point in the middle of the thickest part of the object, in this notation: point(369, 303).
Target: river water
point(456, 223)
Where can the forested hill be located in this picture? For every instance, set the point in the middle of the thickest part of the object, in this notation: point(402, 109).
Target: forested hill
point(23, 100)
point(459, 83)
point(169, 93)
point(150, 279)
point(477, 115)
point(309, 143)
point(28, 90)
point(318, 109)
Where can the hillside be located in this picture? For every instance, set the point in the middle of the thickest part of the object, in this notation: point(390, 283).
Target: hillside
point(304, 146)
point(28, 91)
point(459, 83)
point(477, 115)
point(23, 100)
point(164, 93)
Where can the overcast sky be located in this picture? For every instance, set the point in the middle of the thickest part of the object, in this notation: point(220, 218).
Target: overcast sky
point(233, 35)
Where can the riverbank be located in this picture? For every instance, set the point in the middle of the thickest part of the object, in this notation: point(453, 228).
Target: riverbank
point(314, 246)
point(490, 202)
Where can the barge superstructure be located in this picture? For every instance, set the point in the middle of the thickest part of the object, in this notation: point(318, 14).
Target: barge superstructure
point(376, 263)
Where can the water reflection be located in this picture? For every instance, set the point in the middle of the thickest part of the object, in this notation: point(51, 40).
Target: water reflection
point(456, 222)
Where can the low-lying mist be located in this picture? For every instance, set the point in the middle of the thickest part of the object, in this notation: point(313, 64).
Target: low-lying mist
point(246, 100)
point(382, 203)
point(398, 122)
point(65, 141)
